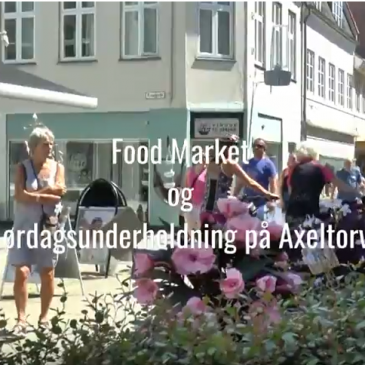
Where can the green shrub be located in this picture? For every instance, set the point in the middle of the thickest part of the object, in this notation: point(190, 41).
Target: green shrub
point(321, 326)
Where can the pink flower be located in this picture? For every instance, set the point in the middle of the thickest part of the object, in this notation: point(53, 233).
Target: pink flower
point(143, 263)
point(273, 314)
point(289, 283)
point(233, 285)
point(267, 283)
point(275, 230)
point(246, 227)
point(146, 291)
point(231, 207)
point(196, 306)
point(264, 315)
point(293, 280)
point(193, 260)
point(282, 257)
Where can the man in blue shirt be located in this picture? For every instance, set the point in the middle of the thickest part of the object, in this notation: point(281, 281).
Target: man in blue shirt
point(262, 170)
point(350, 175)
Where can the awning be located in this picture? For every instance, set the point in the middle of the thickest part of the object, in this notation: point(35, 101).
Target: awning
point(18, 84)
point(326, 124)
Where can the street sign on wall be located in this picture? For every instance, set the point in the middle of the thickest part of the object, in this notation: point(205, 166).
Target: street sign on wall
point(155, 95)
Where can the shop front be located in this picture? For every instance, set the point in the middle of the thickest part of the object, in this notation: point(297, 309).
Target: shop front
point(84, 141)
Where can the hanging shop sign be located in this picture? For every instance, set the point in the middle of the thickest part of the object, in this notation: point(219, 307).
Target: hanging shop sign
point(215, 128)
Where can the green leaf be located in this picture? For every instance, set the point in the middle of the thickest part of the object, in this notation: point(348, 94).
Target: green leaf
point(57, 330)
point(289, 338)
point(270, 345)
point(251, 267)
point(99, 317)
point(312, 362)
point(360, 325)
point(211, 351)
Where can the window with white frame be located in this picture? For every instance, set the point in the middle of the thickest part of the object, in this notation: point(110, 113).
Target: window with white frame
point(310, 70)
point(140, 29)
point(18, 21)
point(216, 29)
point(357, 94)
point(318, 5)
point(349, 91)
point(277, 21)
point(260, 39)
point(321, 77)
point(341, 87)
point(331, 83)
point(78, 40)
point(337, 10)
point(363, 99)
point(292, 35)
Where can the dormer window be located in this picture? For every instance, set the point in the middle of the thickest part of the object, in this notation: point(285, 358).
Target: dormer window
point(337, 10)
point(318, 5)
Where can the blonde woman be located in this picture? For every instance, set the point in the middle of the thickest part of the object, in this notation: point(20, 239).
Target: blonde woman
point(39, 186)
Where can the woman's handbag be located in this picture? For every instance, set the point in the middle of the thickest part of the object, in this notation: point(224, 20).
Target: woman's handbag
point(48, 222)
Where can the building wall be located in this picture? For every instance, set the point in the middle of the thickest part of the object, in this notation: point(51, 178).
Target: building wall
point(325, 42)
point(215, 83)
point(273, 113)
point(120, 85)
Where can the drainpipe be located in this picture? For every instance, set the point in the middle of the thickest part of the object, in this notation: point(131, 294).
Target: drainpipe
point(172, 40)
point(246, 118)
point(303, 130)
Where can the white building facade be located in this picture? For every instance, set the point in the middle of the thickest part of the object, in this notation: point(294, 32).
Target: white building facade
point(334, 90)
point(274, 38)
point(159, 70)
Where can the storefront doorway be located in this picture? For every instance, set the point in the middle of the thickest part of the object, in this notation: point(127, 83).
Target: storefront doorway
point(270, 129)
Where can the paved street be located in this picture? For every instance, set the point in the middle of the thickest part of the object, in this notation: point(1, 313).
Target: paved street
point(92, 281)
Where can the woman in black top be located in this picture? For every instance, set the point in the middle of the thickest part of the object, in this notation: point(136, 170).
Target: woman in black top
point(306, 181)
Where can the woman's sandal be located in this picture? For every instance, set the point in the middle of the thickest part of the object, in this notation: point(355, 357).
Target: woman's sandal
point(44, 325)
point(20, 329)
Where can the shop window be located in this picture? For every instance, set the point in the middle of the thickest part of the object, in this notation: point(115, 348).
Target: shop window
point(79, 164)
point(133, 179)
point(78, 159)
point(84, 162)
point(17, 153)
